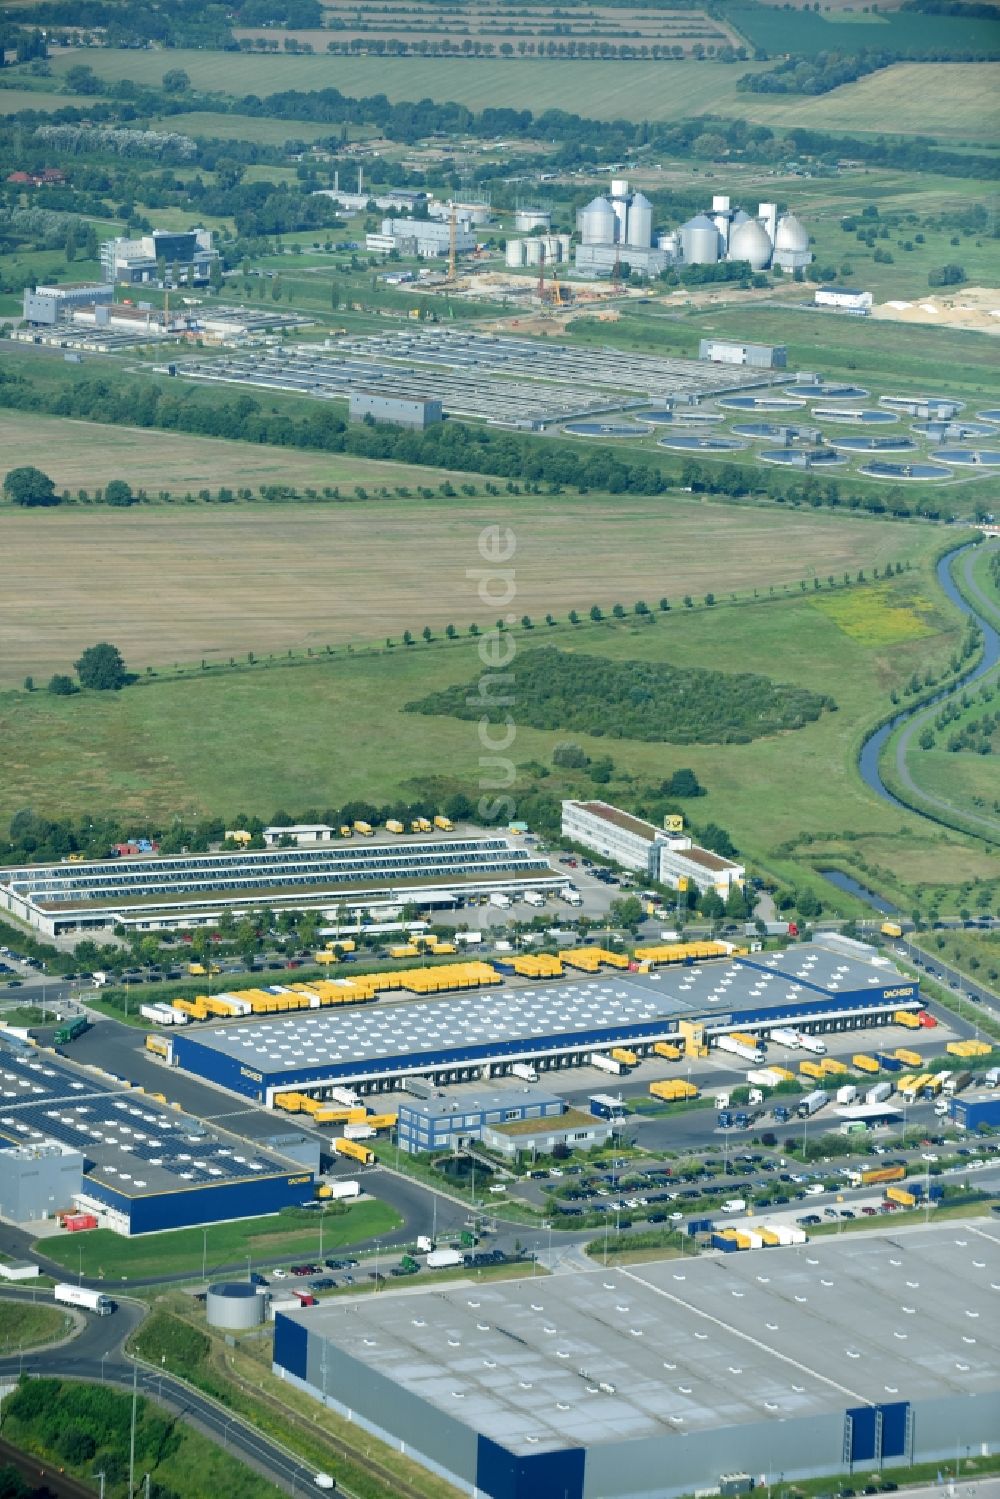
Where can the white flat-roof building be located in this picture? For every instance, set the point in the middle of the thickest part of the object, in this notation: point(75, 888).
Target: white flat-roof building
point(299, 833)
point(664, 856)
point(844, 298)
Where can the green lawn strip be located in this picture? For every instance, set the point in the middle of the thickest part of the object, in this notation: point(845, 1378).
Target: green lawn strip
point(240, 1377)
point(85, 1428)
point(27, 1324)
point(663, 1243)
point(107, 1255)
point(976, 954)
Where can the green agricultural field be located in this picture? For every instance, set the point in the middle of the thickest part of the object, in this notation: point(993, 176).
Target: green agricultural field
point(602, 90)
point(171, 747)
point(44, 100)
point(261, 129)
point(207, 583)
point(779, 30)
point(951, 101)
point(108, 1256)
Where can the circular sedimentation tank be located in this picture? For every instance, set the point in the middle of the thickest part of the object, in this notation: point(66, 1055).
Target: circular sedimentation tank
point(760, 403)
point(904, 471)
point(801, 457)
point(968, 457)
point(992, 415)
point(858, 416)
point(830, 391)
point(894, 444)
point(696, 443)
point(658, 418)
point(606, 429)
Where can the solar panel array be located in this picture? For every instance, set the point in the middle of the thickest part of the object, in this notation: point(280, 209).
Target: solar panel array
point(317, 1038)
point(128, 1142)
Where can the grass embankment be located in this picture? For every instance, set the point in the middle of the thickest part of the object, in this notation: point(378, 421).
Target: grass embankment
point(26, 1324)
point(295, 1231)
point(85, 1428)
point(958, 787)
point(175, 1338)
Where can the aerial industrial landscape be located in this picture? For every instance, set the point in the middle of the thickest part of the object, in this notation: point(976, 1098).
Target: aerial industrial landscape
point(499, 819)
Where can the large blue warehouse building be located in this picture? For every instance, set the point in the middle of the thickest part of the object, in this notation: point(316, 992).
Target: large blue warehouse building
point(145, 1167)
point(657, 1380)
point(828, 985)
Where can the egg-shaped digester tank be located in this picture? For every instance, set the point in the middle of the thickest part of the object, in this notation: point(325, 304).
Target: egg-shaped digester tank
point(751, 242)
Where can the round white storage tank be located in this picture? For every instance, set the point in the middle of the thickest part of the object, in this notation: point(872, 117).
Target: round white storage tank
point(791, 234)
point(532, 252)
point(700, 241)
point(751, 242)
point(552, 247)
point(668, 242)
point(565, 245)
point(640, 222)
point(515, 253)
point(526, 219)
point(597, 223)
point(235, 1305)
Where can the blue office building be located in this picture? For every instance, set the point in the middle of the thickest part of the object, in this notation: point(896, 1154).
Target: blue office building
point(447, 1122)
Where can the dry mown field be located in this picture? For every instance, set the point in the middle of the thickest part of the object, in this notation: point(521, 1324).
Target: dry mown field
point(85, 455)
point(178, 584)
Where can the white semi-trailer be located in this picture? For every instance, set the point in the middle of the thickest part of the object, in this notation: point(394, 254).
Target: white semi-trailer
point(786, 1038)
point(524, 1071)
point(739, 1049)
point(606, 1064)
point(91, 1301)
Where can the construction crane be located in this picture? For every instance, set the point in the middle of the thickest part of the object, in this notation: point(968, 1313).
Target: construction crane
point(540, 289)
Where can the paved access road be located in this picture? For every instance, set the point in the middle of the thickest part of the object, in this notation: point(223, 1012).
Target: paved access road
point(97, 1353)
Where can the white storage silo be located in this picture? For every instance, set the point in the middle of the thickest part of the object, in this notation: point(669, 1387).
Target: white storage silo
point(526, 219)
point(532, 252)
point(640, 222)
point(597, 223)
point(620, 203)
point(552, 248)
point(565, 245)
point(768, 215)
point(750, 242)
point(700, 241)
point(235, 1305)
point(515, 253)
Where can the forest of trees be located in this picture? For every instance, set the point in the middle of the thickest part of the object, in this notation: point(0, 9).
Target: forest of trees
point(637, 700)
